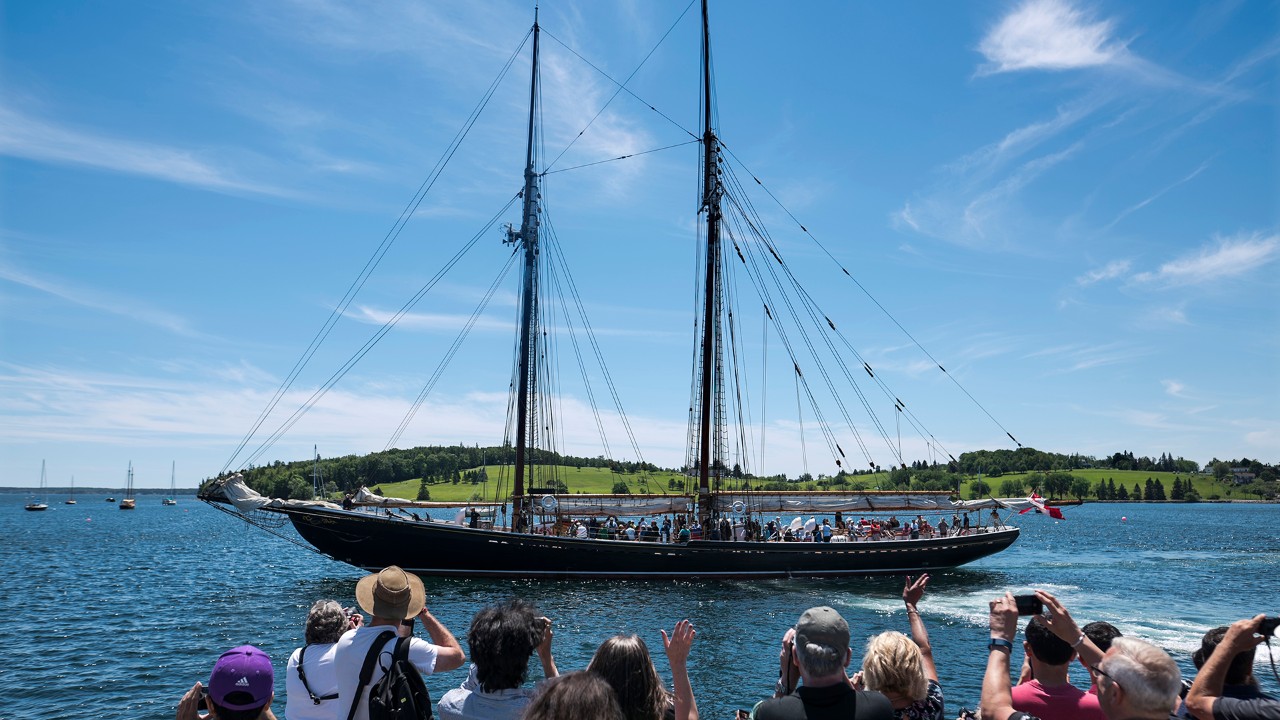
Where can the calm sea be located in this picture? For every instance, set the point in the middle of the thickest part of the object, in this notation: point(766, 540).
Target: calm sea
point(115, 614)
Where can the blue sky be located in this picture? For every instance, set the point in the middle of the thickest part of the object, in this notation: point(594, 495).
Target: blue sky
point(1074, 206)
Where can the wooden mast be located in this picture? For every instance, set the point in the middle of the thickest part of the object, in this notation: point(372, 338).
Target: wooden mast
point(711, 289)
point(526, 376)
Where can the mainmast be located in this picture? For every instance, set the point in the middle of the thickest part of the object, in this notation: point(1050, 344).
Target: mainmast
point(709, 382)
point(526, 405)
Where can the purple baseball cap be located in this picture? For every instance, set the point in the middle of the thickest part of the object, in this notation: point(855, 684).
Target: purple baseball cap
point(242, 679)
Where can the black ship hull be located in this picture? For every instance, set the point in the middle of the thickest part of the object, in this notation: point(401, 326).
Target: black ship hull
point(440, 549)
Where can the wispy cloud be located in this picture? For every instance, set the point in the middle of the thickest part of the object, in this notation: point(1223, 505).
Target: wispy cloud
point(1077, 357)
point(1223, 258)
point(46, 141)
point(1110, 271)
point(1049, 35)
point(79, 294)
point(1133, 208)
point(1174, 388)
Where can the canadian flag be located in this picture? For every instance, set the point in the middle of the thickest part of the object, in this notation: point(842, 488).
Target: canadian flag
point(1037, 503)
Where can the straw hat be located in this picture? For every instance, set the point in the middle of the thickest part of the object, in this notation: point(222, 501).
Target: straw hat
point(391, 593)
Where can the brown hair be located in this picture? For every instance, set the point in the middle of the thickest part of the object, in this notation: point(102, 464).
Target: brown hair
point(578, 695)
point(623, 661)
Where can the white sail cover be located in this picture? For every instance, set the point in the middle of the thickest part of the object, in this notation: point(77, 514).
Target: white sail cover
point(620, 505)
point(366, 498)
point(828, 503)
point(245, 498)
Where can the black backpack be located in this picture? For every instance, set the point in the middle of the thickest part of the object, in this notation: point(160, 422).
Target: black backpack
point(400, 694)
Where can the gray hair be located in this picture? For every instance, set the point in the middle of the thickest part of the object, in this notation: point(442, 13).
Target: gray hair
point(1150, 678)
point(820, 660)
point(326, 622)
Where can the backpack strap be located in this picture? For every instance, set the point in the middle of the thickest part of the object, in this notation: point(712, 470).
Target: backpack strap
point(302, 675)
point(366, 670)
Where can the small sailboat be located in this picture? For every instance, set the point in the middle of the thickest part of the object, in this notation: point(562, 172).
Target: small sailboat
point(172, 486)
point(128, 503)
point(71, 498)
point(42, 504)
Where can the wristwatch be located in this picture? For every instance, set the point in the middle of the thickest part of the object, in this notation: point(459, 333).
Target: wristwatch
point(999, 643)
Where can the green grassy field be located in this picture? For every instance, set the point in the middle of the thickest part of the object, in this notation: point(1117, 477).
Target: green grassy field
point(1205, 485)
point(601, 480)
point(587, 480)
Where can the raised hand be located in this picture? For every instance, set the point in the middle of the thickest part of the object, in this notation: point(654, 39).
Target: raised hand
point(914, 591)
point(678, 644)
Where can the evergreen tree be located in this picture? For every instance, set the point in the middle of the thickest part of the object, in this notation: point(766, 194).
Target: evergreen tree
point(1177, 493)
point(1122, 494)
point(1159, 491)
point(1149, 492)
point(1136, 495)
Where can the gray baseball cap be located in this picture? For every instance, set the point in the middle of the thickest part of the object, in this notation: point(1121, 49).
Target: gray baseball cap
point(823, 626)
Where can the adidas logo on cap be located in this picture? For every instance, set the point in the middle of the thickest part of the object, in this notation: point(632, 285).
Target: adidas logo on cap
point(242, 682)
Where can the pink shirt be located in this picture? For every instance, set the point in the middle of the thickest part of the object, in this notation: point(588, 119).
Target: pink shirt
point(1063, 702)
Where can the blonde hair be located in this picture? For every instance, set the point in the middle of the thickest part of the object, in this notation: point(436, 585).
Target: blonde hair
point(893, 663)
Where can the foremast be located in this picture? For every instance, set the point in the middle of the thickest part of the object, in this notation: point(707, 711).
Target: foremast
point(527, 238)
point(710, 382)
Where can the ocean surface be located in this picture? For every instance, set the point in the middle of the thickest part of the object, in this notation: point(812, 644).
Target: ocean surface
point(115, 614)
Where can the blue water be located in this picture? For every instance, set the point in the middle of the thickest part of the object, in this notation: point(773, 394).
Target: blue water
point(115, 614)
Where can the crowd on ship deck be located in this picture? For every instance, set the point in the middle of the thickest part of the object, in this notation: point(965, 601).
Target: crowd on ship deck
point(679, 529)
point(370, 669)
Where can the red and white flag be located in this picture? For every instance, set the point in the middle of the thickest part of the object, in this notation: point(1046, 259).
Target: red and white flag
point(1037, 503)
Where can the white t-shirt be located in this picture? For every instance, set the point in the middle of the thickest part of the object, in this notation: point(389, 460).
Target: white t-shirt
point(348, 658)
point(321, 678)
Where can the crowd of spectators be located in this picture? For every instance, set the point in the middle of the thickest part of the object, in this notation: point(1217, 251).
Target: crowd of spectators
point(331, 676)
point(799, 529)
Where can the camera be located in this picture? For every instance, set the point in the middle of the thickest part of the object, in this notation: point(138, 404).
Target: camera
point(203, 704)
point(351, 611)
point(1268, 626)
point(1028, 604)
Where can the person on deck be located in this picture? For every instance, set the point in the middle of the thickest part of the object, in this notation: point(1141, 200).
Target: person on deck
point(815, 652)
point(666, 529)
point(394, 598)
point(501, 640)
point(1139, 681)
point(1208, 698)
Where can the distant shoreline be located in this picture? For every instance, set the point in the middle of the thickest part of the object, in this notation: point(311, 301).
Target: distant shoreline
point(97, 491)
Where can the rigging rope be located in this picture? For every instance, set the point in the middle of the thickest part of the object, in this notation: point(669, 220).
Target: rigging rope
point(621, 86)
point(452, 351)
point(871, 297)
point(387, 241)
point(375, 338)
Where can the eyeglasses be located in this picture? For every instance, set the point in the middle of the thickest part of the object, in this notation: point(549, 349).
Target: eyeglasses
point(1102, 672)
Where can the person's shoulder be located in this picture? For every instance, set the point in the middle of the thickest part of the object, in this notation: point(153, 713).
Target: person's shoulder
point(293, 659)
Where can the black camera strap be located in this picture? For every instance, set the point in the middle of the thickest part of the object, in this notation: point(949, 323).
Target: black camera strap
point(302, 675)
point(366, 670)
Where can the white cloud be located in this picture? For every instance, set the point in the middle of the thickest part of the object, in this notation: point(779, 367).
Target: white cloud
point(42, 141)
point(1174, 388)
point(1049, 35)
point(1224, 258)
point(1110, 271)
point(78, 294)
